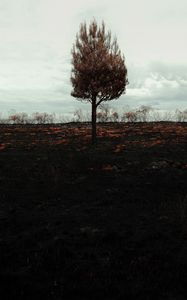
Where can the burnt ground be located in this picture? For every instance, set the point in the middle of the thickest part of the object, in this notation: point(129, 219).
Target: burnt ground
point(80, 221)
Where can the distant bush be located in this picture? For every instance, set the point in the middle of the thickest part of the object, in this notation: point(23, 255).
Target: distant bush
point(19, 118)
point(114, 117)
point(139, 115)
point(130, 116)
point(181, 116)
point(78, 115)
point(143, 113)
point(42, 118)
point(103, 114)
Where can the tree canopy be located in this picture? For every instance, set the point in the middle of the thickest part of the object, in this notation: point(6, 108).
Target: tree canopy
point(99, 72)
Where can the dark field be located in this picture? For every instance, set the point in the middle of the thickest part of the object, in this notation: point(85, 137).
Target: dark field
point(85, 222)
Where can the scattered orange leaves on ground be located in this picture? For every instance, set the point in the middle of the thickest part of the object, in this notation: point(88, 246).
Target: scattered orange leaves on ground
point(156, 142)
point(59, 142)
point(119, 148)
point(107, 167)
point(2, 146)
point(125, 135)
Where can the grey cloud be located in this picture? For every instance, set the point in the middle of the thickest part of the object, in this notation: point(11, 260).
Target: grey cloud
point(158, 84)
point(36, 41)
point(169, 71)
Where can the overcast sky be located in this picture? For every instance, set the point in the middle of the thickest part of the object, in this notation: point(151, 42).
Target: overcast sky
point(36, 38)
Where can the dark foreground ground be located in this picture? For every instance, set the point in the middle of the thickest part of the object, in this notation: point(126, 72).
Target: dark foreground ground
point(85, 222)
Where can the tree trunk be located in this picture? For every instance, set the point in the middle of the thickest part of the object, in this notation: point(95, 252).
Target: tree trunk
point(94, 107)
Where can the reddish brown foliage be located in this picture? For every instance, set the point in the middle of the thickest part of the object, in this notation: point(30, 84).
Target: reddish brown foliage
point(99, 72)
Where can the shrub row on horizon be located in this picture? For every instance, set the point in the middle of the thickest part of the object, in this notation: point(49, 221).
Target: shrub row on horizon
point(104, 114)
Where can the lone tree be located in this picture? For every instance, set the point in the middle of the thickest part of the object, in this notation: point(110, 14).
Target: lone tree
point(99, 72)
